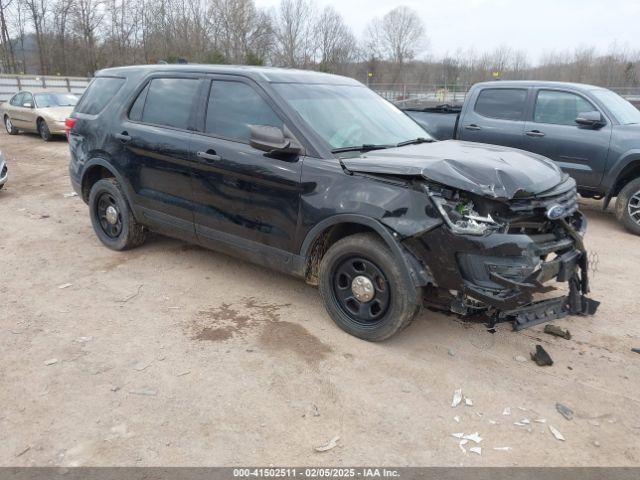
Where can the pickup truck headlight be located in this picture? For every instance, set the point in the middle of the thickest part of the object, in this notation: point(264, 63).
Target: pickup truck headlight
point(461, 217)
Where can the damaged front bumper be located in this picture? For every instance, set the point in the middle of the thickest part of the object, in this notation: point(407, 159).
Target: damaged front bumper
point(503, 275)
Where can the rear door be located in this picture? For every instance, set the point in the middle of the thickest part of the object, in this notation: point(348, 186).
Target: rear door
point(552, 132)
point(496, 116)
point(244, 199)
point(156, 138)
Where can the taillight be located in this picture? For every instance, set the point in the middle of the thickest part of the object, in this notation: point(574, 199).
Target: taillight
point(68, 125)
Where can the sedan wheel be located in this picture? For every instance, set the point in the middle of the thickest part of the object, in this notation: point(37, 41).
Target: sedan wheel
point(11, 130)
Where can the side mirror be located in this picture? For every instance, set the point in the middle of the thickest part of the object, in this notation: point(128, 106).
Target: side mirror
point(273, 141)
point(27, 105)
point(590, 119)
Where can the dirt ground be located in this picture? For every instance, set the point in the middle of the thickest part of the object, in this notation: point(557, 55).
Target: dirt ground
point(174, 355)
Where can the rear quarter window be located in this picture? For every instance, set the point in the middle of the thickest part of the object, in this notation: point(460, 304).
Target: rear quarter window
point(502, 103)
point(98, 94)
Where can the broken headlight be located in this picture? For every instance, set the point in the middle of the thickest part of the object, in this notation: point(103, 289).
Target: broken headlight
point(461, 216)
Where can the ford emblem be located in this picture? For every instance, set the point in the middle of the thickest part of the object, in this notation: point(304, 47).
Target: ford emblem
point(556, 211)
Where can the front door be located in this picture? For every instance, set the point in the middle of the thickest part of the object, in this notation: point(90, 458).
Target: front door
point(22, 115)
point(155, 141)
point(552, 132)
point(244, 200)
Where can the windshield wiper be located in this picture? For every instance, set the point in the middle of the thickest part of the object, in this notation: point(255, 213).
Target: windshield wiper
point(415, 141)
point(367, 147)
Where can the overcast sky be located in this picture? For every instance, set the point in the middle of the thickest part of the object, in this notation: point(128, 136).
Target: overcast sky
point(537, 27)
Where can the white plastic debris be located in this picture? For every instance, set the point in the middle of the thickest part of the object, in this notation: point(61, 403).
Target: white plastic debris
point(525, 421)
point(457, 397)
point(540, 420)
point(64, 285)
point(520, 424)
point(457, 419)
point(502, 449)
point(69, 195)
point(556, 433)
point(477, 450)
point(507, 411)
point(493, 422)
point(329, 445)
point(51, 361)
point(474, 437)
point(458, 435)
point(468, 402)
point(462, 444)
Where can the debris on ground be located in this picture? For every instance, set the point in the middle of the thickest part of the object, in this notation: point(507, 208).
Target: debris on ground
point(541, 357)
point(506, 411)
point(474, 437)
point(458, 435)
point(316, 412)
point(140, 366)
point(133, 295)
point(451, 352)
point(462, 444)
point(70, 194)
point(457, 397)
point(144, 391)
point(23, 451)
point(523, 423)
point(328, 446)
point(502, 449)
point(64, 285)
point(493, 422)
point(565, 411)
point(596, 443)
point(457, 419)
point(51, 361)
point(468, 402)
point(557, 331)
point(183, 373)
point(594, 423)
point(556, 433)
point(540, 420)
point(477, 450)
point(520, 358)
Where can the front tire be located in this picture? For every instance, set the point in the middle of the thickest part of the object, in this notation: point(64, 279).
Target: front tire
point(112, 218)
point(8, 125)
point(628, 206)
point(43, 131)
point(365, 290)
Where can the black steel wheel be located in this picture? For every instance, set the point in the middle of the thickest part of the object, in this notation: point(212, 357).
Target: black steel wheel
point(366, 291)
point(111, 217)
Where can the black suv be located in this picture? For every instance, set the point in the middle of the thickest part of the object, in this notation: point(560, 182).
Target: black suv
point(316, 176)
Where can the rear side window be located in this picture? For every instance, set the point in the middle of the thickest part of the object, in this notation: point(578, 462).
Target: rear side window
point(169, 101)
point(560, 108)
point(502, 103)
point(98, 94)
point(233, 106)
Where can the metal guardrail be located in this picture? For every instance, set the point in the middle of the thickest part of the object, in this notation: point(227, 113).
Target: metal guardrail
point(10, 84)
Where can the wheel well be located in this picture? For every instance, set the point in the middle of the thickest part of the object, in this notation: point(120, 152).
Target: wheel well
point(38, 120)
point(95, 173)
point(323, 242)
point(629, 173)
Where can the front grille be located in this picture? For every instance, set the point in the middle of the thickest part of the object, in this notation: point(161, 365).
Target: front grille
point(535, 206)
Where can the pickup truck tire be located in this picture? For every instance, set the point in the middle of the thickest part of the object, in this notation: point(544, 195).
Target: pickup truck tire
point(628, 203)
point(112, 218)
point(362, 265)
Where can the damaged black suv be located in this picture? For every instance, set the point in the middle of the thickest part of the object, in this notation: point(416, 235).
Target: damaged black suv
point(317, 176)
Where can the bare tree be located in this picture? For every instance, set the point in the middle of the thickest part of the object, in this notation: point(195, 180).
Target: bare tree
point(38, 11)
point(293, 26)
point(7, 56)
point(336, 43)
point(398, 36)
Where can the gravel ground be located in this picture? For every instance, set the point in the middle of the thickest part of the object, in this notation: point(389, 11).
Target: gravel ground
point(174, 355)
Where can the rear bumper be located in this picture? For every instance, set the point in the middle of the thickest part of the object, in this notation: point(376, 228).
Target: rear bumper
point(505, 275)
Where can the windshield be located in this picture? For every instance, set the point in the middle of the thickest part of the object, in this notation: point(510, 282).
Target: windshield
point(624, 112)
point(346, 115)
point(46, 100)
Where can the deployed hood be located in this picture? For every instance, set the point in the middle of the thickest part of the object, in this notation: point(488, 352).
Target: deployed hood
point(488, 170)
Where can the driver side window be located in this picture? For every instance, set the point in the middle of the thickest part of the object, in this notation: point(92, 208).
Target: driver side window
point(560, 108)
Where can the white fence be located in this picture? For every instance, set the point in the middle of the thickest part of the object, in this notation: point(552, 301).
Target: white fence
point(10, 84)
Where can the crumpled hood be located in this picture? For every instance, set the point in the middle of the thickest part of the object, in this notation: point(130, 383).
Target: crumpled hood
point(488, 170)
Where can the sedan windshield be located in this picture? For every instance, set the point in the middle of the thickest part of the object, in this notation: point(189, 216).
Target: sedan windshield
point(624, 111)
point(47, 100)
point(350, 116)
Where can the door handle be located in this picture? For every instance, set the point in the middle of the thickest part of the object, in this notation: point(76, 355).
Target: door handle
point(124, 137)
point(209, 156)
point(473, 126)
point(535, 133)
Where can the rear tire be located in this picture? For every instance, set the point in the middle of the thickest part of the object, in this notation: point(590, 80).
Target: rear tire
point(112, 218)
point(8, 125)
point(628, 206)
point(389, 301)
point(43, 130)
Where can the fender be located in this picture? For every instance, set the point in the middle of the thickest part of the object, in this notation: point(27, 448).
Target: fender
point(417, 273)
point(613, 175)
